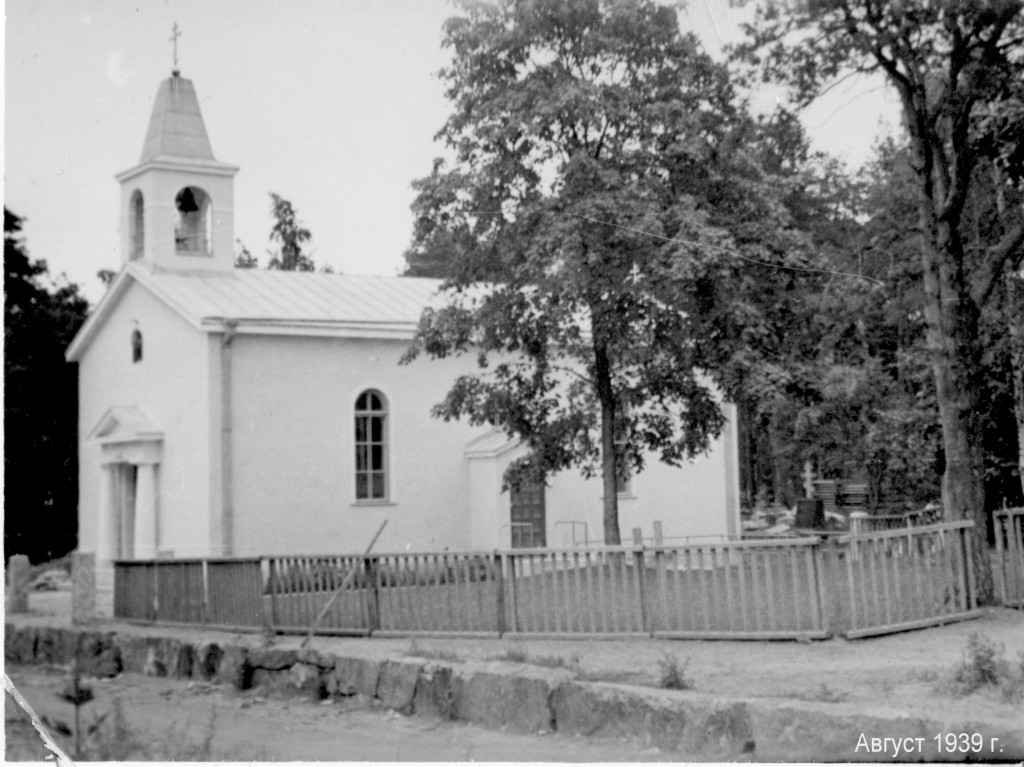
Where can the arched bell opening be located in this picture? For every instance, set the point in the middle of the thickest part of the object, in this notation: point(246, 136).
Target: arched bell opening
point(193, 232)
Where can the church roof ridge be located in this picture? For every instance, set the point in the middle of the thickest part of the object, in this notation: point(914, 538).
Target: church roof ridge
point(272, 301)
point(176, 127)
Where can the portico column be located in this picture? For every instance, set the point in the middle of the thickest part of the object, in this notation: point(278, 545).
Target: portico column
point(106, 519)
point(145, 511)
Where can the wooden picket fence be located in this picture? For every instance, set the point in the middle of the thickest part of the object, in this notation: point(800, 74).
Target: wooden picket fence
point(795, 588)
point(1009, 564)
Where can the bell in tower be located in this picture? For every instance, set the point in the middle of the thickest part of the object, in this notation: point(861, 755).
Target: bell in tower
point(177, 204)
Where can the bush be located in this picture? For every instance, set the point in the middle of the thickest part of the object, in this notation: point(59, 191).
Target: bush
point(673, 673)
point(983, 666)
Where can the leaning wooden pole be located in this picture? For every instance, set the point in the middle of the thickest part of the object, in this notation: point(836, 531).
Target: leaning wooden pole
point(344, 585)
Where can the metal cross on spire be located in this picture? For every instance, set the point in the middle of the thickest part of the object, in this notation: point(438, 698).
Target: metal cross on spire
point(175, 34)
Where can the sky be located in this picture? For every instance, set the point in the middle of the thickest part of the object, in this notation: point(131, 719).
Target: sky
point(332, 104)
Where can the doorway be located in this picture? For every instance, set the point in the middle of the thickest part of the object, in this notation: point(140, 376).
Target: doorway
point(126, 477)
point(529, 520)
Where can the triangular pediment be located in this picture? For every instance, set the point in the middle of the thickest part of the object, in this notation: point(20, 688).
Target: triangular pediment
point(125, 424)
point(490, 445)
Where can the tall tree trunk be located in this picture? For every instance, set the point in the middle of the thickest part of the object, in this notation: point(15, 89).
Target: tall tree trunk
point(952, 333)
point(606, 396)
point(777, 437)
point(1015, 323)
point(745, 434)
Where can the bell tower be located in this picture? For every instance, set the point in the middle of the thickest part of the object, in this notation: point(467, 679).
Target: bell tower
point(177, 204)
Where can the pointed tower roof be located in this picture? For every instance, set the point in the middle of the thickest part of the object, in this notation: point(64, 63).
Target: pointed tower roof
point(176, 126)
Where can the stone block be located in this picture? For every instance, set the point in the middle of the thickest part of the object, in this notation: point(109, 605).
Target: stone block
point(19, 643)
point(437, 692)
point(354, 676)
point(234, 668)
point(272, 658)
point(56, 646)
point(83, 587)
point(207, 657)
point(301, 679)
point(498, 695)
point(19, 575)
point(169, 657)
point(688, 723)
point(135, 652)
point(99, 654)
point(324, 660)
point(396, 684)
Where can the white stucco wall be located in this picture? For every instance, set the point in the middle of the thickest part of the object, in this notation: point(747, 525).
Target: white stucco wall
point(292, 449)
point(695, 502)
point(293, 401)
point(169, 386)
point(293, 461)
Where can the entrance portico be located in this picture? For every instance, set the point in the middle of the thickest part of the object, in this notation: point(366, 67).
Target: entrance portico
point(128, 521)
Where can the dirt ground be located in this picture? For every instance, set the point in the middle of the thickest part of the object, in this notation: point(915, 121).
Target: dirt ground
point(167, 719)
point(903, 675)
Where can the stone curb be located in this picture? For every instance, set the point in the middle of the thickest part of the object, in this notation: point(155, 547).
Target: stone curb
point(524, 698)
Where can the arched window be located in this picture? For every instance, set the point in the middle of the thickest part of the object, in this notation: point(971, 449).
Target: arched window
point(371, 447)
point(136, 345)
point(192, 233)
point(137, 223)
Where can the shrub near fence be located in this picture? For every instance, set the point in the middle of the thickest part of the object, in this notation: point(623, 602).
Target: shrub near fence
point(858, 585)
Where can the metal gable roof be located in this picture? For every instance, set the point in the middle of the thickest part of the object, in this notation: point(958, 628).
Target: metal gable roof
point(263, 301)
point(274, 296)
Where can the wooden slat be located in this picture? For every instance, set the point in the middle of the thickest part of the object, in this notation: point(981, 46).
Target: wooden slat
point(744, 558)
point(702, 583)
point(795, 591)
point(729, 608)
point(882, 568)
point(769, 580)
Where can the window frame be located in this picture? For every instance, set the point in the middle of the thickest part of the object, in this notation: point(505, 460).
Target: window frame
point(368, 414)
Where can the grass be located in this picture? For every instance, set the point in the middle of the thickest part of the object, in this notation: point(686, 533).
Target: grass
point(984, 666)
point(521, 655)
point(823, 694)
point(416, 651)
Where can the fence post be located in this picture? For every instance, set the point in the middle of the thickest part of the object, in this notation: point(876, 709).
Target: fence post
point(999, 520)
point(374, 602)
point(19, 575)
point(83, 587)
point(512, 609)
point(204, 610)
point(966, 537)
point(646, 624)
point(820, 589)
point(154, 600)
point(499, 594)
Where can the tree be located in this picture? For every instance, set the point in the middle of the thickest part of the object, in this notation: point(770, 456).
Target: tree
point(583, 191)
point(957, 68)
point(244, 259)
point(41, 316)
point(290, 235)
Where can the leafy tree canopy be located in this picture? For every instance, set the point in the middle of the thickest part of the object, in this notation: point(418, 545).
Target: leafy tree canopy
point(290, 235)
point(599, 176)
point(41, 316)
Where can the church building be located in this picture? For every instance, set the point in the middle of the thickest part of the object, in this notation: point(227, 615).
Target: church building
point(240, 412)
